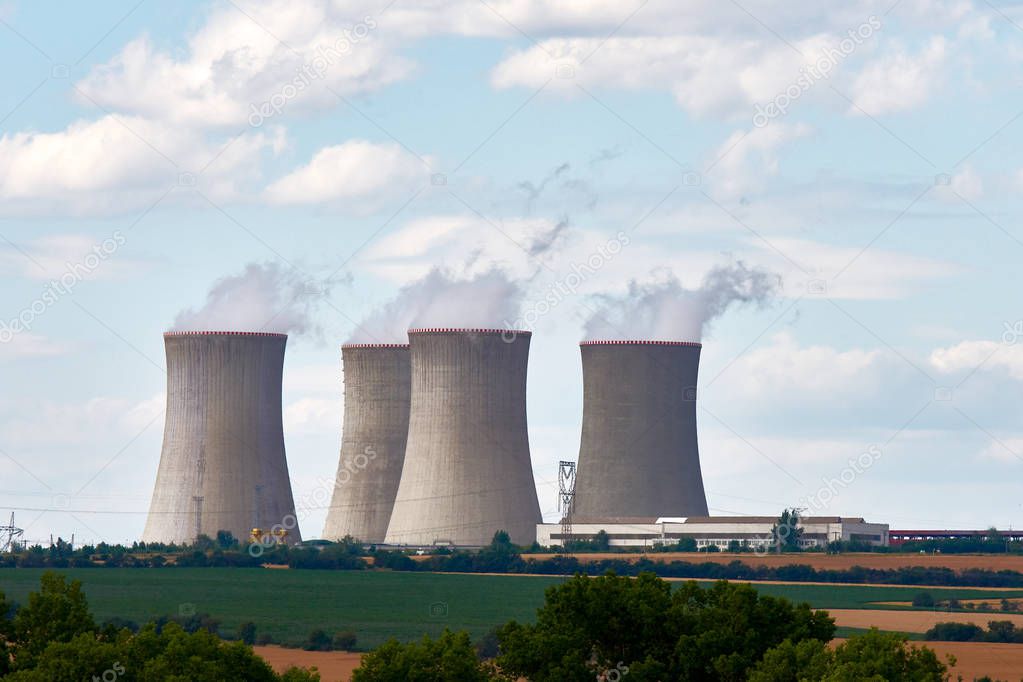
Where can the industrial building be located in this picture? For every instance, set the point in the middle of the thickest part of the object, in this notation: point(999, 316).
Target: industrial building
point(223, 464)
point(755, 532)
point(638, 454)
point(377, 391)
point(467, 471)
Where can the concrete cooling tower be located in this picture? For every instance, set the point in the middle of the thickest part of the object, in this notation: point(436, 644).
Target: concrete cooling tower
point(377, 395)
point(467, 470)
point(638, 455)
point(223, 465)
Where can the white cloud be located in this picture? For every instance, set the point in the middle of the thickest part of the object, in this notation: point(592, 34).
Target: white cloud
point(708, 75)
point(849, 272)
point(784, 368)
point(27, 345)
point(984, 355)
point(313, 415)
point(98, 420)
point(749, 157)
point(116, 164)
point(966, 184)
point(248, 53)
point(900, 81)
point(353, 170)
point(52, 256)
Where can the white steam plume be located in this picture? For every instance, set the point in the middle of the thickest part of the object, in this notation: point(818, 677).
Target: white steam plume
point(440, 300)
point(265, 297)
point(666, 311)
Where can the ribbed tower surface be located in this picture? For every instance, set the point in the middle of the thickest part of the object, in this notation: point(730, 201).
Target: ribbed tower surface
point(223, 465)
point(638, 454)
point(467, 470)
point(378, 384)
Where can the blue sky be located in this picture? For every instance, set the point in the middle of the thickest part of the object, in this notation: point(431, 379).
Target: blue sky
point(886, 198)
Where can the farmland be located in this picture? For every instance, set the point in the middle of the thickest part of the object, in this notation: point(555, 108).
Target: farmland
point(288, 604)
point(839, 562)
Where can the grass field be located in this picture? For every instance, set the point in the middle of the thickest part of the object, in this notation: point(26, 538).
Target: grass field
point(376, 604)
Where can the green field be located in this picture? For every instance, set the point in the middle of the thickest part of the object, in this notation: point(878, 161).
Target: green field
point(376, 604)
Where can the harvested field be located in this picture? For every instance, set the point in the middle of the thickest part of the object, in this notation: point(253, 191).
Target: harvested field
point(957, 562)
point(333, 666)
point(913, 621)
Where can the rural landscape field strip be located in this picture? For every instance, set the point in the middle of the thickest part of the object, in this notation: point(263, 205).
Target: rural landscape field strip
point(378, 605)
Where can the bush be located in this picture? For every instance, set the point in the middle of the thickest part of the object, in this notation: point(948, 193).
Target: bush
point(924, 600)
point(955, 632)
point(264, 638)
point(318, 640)
point(247, 632)
point(344, 640)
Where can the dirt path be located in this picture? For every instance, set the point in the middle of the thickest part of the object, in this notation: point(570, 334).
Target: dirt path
point(334, 666)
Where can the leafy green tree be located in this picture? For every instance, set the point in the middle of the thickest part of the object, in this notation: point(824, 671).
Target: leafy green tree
point(344, 640)
point(794, 662)
point(449, 657)
point(923, 600)
point(786, 532)
point(226, 539)
point(871, 657)
point(6, 633)
point(590, 626)
point(318, 640)
point(886, 657)
point(247, 632)
point(58, 612)
point(601, 542)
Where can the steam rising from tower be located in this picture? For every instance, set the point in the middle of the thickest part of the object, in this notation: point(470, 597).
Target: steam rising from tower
point(377, 397)
point(638, 455)
point(467, 470)
point(223, 465)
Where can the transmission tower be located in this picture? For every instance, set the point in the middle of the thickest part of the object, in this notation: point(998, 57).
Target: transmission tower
point(9, 535)
point(566, 497)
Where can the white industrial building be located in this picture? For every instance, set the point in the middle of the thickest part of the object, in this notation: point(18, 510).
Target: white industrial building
point(752, 531)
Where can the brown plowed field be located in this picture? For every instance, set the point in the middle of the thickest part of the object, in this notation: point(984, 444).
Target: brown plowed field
point(957, 562)
point(913, 621)
point(334, 666)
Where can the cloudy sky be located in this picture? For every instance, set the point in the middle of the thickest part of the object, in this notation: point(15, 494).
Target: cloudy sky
point(304, 162)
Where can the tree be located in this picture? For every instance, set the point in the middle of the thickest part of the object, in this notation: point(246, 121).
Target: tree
point(886, 656)
point(344, 640)
point(591, 626)
point(601, 542)
point(318, 640)
point(58, 612)
point(226, 539)
point(7, 610)
point(923, 600)
point(874, 657)
point(786, 532)
point(449, 657)
point(247, 632)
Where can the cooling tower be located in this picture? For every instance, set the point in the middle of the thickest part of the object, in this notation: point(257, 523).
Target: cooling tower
point(223, 465)
point(467, 470)
point(638, 455)
point(377, 393)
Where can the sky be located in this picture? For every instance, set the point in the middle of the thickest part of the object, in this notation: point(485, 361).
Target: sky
point(867, 159)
